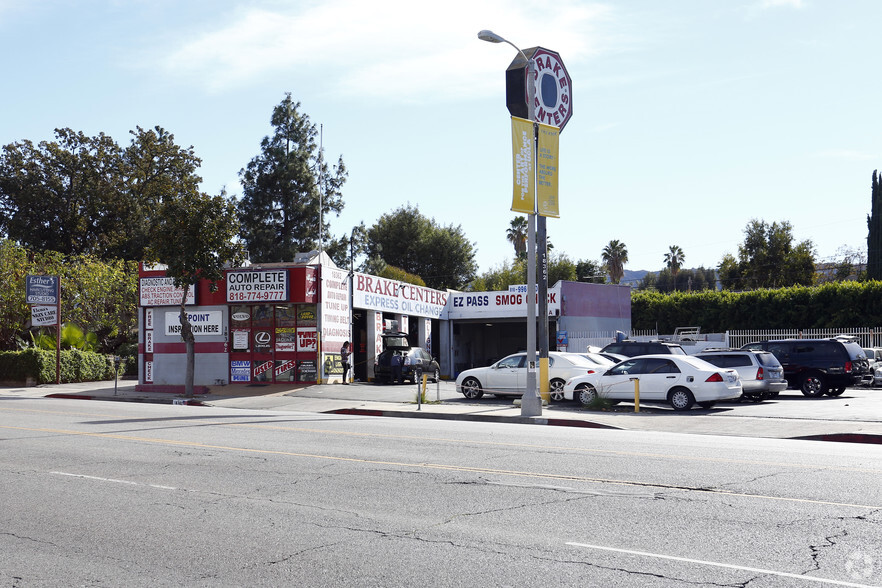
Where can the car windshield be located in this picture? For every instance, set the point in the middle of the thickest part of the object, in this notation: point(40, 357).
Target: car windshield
point(396, 341)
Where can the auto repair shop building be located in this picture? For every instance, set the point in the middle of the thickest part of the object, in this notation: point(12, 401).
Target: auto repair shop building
point(286, 322)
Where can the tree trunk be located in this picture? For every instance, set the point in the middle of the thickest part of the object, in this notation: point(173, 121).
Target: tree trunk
point(187, 336)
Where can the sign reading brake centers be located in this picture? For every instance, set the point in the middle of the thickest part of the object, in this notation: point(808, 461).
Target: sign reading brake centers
point(553, 104)
point(248, 286)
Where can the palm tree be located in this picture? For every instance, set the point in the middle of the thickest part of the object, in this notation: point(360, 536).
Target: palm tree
point(674, 259)
point(615, 256)
point(517, 236)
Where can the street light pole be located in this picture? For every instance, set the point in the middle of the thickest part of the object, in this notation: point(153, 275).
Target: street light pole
point(531, 403)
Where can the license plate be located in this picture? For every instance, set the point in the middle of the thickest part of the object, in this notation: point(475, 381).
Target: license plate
point(731, 379)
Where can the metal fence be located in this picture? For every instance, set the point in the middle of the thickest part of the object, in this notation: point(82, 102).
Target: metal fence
point(866, 336)
point(579, 341)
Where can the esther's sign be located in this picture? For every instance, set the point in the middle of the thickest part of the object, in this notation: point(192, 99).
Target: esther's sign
point(41, 290)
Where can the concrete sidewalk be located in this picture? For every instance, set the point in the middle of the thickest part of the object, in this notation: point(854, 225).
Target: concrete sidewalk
point(372, 400)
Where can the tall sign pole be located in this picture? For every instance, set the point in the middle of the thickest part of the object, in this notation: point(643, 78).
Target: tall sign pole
point(538, 89)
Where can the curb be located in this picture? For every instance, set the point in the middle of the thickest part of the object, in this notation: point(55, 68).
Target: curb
point(177, 401)
point(473, 417)
point(843, 438)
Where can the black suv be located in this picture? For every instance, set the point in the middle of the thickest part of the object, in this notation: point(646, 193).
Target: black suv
point(630, 348)
point(397, 350)
point(819, 366)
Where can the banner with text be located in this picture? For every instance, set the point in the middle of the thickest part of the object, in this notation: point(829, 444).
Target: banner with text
point(522, 152)
point(257, 286)
point(203, 324)
point(546, 184)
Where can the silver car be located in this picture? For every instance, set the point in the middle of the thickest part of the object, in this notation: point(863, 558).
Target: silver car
point(761, 373)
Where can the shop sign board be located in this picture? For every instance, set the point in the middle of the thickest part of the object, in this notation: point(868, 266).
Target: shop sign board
point(43, 316)
point(286, 339)
point(257, 285)
point(381, 294)
point(163, 292)
point(41, 290)
point(307, 370)
point(334, 308)
point(500, 304)
point(205, 323)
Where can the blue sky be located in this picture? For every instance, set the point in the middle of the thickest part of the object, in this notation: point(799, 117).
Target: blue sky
point(690, 117)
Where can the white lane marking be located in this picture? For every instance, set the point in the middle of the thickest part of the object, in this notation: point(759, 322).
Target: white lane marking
point(724, 565)
point(130, 483)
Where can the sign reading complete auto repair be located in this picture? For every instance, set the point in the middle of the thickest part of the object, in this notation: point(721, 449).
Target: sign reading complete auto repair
point(257, 286)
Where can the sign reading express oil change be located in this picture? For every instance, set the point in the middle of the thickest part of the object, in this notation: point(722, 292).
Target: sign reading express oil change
point(257, 286)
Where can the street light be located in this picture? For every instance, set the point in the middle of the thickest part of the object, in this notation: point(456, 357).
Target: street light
point(531, 403)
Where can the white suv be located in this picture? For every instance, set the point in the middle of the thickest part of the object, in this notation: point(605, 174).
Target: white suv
point(761, 373)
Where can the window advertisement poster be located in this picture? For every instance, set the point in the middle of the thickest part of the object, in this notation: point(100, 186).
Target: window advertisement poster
point(257, 285)
point(262, 371)
point(306, 315)
point(241, 338)
point(287, 339)
point(240, 371)
point(333, 365)
point(204, 324)
point(285, 370)
point(307, 370)
point(286, 315)
point(335, 308)
point(163, 292)
point(263, 341)
point(307, 339)
point(240, 316)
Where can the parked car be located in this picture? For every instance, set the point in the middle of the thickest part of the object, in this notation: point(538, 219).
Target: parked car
point(761, 374)
point(602, 359)
point(411, 359)
point(508, 376)
point(680, 380)
point(819, 366)
point(874, 357)
point(630, 348)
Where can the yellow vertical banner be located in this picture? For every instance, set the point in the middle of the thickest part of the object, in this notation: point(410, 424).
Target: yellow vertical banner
point(546, 184)
point(523, 162)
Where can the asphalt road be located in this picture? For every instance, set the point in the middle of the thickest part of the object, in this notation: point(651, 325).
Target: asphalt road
point(114, 494)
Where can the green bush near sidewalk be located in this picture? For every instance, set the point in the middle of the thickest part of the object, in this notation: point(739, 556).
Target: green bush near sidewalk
point(35, 366)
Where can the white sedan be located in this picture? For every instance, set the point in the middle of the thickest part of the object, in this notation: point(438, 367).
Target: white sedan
point(508, 376)
point(681, 380)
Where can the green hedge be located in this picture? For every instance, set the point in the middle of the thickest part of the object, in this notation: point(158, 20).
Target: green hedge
point(831, 305)
point(39, 365)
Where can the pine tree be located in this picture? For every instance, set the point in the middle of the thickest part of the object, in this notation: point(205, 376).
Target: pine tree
point(874, 237)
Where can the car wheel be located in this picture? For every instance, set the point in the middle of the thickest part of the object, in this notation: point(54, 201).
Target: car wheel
point(813, 385)
point(586, 394)
point(707, 404)
point(835, 391)
point(471, 389)
point(436, 376)
point(681, 398)
point(555, 390)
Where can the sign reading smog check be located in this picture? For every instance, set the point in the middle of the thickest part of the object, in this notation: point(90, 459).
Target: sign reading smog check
point(385, 295)
point(464, 305)
point(257, 285)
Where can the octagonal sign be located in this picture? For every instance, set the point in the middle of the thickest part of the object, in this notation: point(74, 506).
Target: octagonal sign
point(553, 104)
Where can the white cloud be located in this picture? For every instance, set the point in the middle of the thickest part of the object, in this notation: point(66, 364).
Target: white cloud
point(387, 49)
point(765, 4)
point(849, 154)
